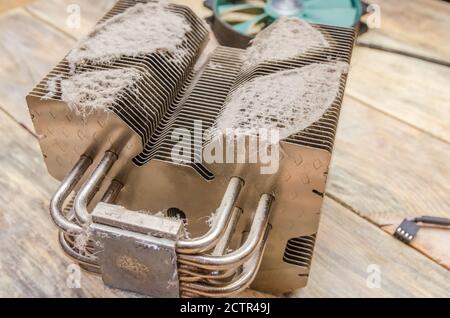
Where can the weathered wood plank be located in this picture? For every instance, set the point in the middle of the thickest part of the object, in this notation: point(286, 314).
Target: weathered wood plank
point(411, 90)
point(386, 170)
point(349, 249)
point(431, 241)
point(59, 13)
point(28, 50)
point(409, 180)
point(420, 27)
point(31, 262)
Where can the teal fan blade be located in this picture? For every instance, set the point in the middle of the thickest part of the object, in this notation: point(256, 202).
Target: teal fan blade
point(343, 13)
point(344, 17)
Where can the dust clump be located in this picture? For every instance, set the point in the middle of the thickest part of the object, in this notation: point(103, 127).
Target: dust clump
point(52, 87)
point(211, 219)
point(287, 101)
point(141, 29)
point(285, 39)
point(81, 241)
point(89, 92)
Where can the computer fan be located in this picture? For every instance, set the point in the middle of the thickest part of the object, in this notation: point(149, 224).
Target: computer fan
point(236, 22)
point(155, 220)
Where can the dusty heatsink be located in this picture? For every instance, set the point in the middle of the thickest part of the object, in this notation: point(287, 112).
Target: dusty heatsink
point(117, 161)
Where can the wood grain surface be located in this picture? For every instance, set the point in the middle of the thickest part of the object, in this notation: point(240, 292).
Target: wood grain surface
point(348, 248)
point(385, 170)
point(411, 90)
point(418, 27)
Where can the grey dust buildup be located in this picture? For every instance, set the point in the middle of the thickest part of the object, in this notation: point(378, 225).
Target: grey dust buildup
point(97, 90)
point(142, 29)
point(288, 101)
point(285, 39)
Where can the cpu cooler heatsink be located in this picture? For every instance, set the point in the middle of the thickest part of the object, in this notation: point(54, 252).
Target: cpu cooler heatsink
point(116, 171)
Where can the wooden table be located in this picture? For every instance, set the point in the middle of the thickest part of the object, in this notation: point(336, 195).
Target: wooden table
point(391, 159)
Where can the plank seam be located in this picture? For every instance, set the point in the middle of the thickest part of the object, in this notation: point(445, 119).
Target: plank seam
point(397, 118)
point(403, 53)
point(18, 123)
